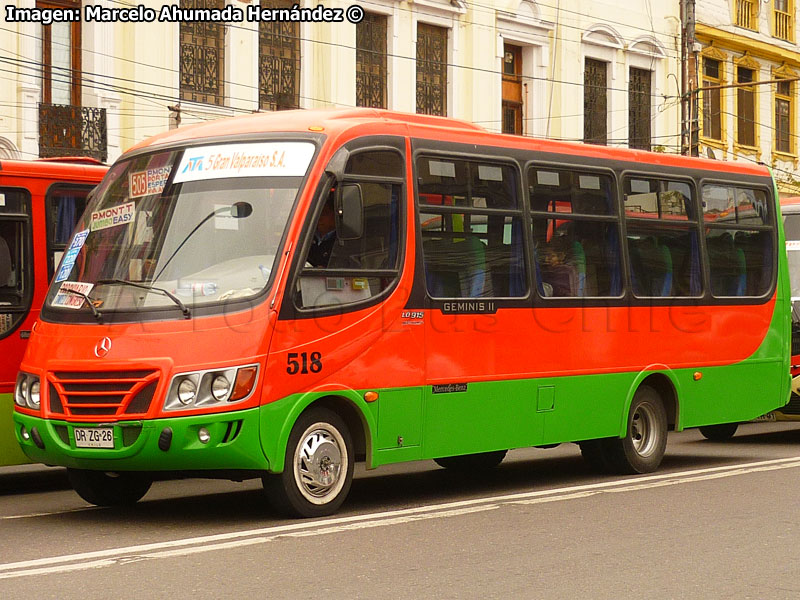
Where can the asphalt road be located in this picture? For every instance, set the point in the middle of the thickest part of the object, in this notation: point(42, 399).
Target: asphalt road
point(718, 520)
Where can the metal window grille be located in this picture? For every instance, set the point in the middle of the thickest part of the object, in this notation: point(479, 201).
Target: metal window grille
point(202, 56)
point(66, 130)
point(278, 61)
point(595, 102)
point(639, 109)
point(431, 69)
point(371, 61)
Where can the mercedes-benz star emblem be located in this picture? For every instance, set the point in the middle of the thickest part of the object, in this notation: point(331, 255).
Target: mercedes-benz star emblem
point(102, 347)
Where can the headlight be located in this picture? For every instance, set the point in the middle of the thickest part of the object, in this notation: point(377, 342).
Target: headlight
point(209, 388)
point(21, 390)
point(33, 395)
point(187, 391)
point(220, 388)
point(26, 391)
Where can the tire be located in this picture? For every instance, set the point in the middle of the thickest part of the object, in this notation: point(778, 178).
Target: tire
point(482, 461)
point(719, 433)
point(642, 448)
point(109, 489)
point(318, 467)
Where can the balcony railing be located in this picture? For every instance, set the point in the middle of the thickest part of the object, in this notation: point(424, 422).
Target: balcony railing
point(783, 25)
point(745, 15)
point(66, 130)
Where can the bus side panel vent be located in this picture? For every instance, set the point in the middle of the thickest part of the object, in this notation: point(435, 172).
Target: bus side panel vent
point(234, 427)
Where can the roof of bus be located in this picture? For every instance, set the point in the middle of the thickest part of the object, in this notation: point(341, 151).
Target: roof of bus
point(59, 168)
point(376, 121)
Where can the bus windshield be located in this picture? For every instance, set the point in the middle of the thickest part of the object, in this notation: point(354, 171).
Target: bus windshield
point(209, 233)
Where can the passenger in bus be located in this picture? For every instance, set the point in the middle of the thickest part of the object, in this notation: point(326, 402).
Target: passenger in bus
point(325, 236)
point(556, 270)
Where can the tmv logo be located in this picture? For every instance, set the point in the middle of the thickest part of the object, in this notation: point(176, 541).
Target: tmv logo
point(194, 164)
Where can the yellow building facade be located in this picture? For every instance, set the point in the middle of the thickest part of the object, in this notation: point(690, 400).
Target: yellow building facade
point(748, 57)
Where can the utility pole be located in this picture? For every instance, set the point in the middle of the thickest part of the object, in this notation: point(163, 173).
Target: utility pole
point(689, 99)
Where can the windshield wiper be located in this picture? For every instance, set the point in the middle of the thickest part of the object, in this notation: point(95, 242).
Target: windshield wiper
point(95, 312)
point(187, 314)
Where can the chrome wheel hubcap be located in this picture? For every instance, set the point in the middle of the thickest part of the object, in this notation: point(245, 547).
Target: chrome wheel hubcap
point(643, 430)
point(320, 463)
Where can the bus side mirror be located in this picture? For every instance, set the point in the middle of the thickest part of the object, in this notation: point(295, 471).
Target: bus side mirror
point(349, 212)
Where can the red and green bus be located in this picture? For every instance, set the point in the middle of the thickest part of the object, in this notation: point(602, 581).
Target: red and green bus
point(40, 202)
point(282, 295)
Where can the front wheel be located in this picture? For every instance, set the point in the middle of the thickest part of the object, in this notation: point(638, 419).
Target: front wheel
point(719, 433)
point(642, 448)
point(318, 468)
point(109, 489)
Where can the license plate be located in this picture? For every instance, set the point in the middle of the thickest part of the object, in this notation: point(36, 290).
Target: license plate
point(94, 437)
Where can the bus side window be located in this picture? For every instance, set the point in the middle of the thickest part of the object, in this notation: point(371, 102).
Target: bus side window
point(662, 237)
point(740, 239)
point(575, 233)
point(65, 205)
point(346, 271)
point(471, 229)
point(15, 264)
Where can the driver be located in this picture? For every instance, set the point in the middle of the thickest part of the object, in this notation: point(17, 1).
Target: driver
point(320, 252)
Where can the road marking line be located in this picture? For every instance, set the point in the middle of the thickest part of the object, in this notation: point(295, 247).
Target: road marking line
point(234, 539)
point(636, 486)
point(50, 514)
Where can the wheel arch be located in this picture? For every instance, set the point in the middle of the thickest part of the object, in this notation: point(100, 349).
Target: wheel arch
point(665, 383)
point(348, 404)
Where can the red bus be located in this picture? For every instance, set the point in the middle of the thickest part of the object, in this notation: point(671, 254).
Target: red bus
point(282, 295)
point(40, 202)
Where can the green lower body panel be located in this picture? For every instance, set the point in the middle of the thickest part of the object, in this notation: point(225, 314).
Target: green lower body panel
point(425, 422)
point(233, 443)
point(428, 422)
point(10, 452)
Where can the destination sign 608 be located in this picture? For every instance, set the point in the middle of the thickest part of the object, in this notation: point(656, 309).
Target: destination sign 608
point(173, 13)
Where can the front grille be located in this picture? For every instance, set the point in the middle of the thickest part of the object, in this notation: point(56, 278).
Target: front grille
point(102, 393)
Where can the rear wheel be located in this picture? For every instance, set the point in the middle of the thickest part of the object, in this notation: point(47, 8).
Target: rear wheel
point(472, 462)
point(318, 468)
point(109, 489)
point(719, 433)
point(642, 448)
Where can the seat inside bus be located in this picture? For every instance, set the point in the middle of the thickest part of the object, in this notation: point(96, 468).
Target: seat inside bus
point(456, 267)
point(728, 266)
point(651, 266)
point(757, 248)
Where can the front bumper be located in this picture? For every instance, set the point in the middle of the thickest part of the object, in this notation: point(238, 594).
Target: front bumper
point(141, 445)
